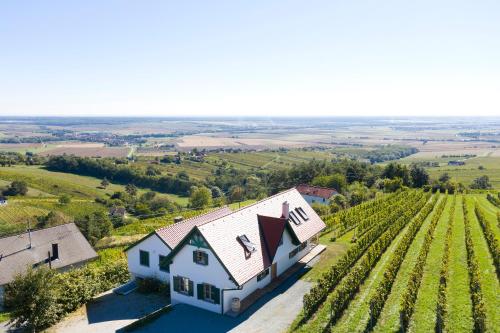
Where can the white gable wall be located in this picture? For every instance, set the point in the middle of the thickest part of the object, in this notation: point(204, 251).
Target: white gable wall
point(155, 246)
point(213, 273)
point(315, 199)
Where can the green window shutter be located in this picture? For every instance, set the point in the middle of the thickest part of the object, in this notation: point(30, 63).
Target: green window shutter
point(205, 258)
point(216, 295)
point(191, 287)
point(176, 283)
point(144, 258)
point(194, 256)
point(200, 290)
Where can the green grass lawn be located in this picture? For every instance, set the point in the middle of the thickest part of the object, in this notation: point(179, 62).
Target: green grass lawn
point(4, 316)
point(488, 278)
point(459, 305)
point(424, 317)
point(57, 183)
point(389, 318)
point(333, 251)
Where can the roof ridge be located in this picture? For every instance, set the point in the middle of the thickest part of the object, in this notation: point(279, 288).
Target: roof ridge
point(266, 199)
point(194, 217)
point(315, 186)
point(38, 229)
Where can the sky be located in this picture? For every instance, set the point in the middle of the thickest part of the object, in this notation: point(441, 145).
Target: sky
point(250, 58)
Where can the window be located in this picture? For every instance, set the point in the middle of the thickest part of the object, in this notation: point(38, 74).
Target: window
point(263, 274)
point(294, 218)
point(144, 258)
point(209, 293)
point(302, 213)
point(247, 244)
point(183, 285)
point(200, 257)
point(293, 253)
point(164, 264)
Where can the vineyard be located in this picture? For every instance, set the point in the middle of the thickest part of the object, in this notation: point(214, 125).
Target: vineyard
point(417, 262)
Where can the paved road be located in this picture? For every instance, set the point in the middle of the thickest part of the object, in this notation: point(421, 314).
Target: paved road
point(274, 312)
point(110, 312)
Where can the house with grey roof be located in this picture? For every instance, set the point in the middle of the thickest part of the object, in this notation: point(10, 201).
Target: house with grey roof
point(61, 247)
point(217, 260)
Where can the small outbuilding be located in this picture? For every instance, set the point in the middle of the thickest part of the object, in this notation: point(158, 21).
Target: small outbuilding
point(316, 194)
point(61, 247)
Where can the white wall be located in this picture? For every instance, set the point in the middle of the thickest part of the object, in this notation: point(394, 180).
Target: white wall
point(155, 246)
point(314, 199)
point(213, 273)
point(282, 261)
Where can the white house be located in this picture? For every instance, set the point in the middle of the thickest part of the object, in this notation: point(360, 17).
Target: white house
point(212, 259)
point(316, 194)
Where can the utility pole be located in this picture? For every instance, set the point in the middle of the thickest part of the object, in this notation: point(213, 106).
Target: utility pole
point(29, 234)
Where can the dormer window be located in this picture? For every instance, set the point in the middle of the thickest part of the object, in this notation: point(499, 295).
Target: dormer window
point(302, 213)
point(247, 244)
point(292, 216)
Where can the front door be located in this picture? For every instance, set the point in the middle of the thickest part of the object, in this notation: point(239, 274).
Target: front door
point(274, 271)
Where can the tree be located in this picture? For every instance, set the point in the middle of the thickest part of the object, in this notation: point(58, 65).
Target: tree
point(445, 177)
point(201, 197)
point(33, 298)
point(64, 199)
point(236, 193)
point(419, 176)
point(393, 170)
point(216, 192)
point(152, 171)
point(392, 185)
point(95, 226)
point(104, 183)
point(17, 187)
point(131, 189)
point(337, 181)
point(320, 209)
point(53, 218)
point(481, 183)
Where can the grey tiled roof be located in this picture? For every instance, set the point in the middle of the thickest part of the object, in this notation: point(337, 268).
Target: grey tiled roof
point(16, 256)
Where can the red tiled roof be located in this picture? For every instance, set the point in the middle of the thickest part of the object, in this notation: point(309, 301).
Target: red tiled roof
point(173, 234)
point(271, 230)
point(322, 192)
point(222, 233)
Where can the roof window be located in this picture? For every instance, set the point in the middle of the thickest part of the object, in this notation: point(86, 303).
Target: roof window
point(294, 218)
point(302, 213)
point(247, 244)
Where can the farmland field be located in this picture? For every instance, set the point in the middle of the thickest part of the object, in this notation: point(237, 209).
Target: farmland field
point(391, 278)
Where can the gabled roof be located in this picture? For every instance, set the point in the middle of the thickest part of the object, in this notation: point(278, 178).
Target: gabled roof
point(316, 191)
point(271, 229)
point(173, 234)
point(222, 234)
point(16, 255)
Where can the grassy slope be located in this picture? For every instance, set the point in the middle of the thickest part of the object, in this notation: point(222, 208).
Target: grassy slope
point(488, 278)
point(424, 317)
point(356, 315)
point(389, 318)
point(459, 305)
point(57, 183)
point(333, 251)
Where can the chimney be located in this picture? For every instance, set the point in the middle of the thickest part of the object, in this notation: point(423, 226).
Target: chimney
point(285, 210)
point(55, 251)
point(178, 219)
